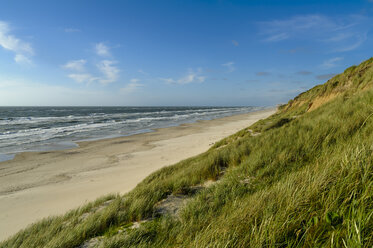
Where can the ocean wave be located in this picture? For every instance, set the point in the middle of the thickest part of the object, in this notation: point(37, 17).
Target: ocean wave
point(21, 132)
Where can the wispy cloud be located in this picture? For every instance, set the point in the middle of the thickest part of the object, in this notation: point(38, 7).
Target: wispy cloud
point(131, 87)
point(82, 77)
point(142, 72)
point(76, 65)
point(343, 34)
point(110, 71)
point(330, 63)
point(102, 50)
point(79, 74)
point(22, 50)
point(193, 76)
point(277, 30)
point(72, 30)
point(354, 41)
point(235, 43)
point(230, 66)
point(168, 80)
point(277, 37)
point(134, 80)
point(22, 59)
point(339, 37)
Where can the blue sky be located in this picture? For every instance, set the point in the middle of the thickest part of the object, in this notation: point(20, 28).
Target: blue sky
point(144, 53)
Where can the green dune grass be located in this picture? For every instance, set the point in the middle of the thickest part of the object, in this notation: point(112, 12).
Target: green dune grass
point(300, 178)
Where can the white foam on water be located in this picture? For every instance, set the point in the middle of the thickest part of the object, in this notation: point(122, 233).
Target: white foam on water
point(29, 133)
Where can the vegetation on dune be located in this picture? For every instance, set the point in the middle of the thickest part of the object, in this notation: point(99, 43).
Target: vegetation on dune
point(305, 181)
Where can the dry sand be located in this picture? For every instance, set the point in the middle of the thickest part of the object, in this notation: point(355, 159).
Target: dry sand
point(39, 184)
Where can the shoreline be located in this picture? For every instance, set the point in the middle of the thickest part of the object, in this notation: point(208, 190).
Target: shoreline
point(71, 144)
point(35, 185)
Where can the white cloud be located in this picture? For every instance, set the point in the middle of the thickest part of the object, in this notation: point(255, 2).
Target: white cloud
point(106, 67)
point(191, 77)
point(110, 71)
point(83, 77)
point(102, 50)
point(131, 87)
point(9, 42)
point(331, 62)
point(21, 59)
point(80, 76)
point(76, 65)
point(229, 66)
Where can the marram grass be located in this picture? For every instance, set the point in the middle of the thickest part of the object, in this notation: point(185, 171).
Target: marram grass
point(305, 181)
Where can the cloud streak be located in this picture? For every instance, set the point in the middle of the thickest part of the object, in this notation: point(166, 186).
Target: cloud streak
point(330, 63)
point(354, 41)
point(22, 59)
point(230, 66)
point(342, 34)
point(131, 87)
point(278, 30)
point(193, 76)
point(82, 77)
point(76, 65)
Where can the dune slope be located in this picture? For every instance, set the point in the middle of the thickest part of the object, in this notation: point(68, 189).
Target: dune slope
point(300, 178)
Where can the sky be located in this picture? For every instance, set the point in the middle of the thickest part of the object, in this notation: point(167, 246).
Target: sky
point(176, 53)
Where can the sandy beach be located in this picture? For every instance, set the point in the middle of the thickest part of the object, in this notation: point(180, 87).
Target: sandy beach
point(39, 184)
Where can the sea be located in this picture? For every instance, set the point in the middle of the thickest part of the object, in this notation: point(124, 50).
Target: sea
point(54, 128)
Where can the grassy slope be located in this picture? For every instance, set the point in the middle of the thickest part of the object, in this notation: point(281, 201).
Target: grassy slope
point(305, 181)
